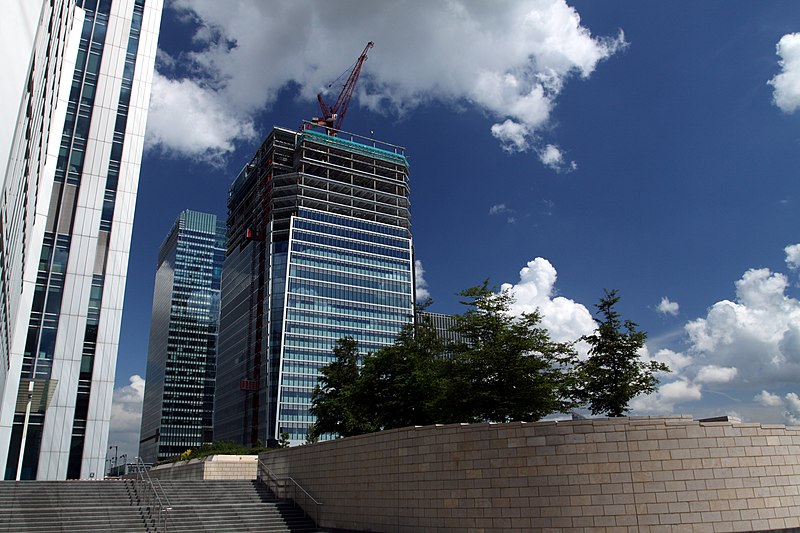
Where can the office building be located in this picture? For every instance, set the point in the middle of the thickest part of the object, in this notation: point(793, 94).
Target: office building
point(178, 407)
point(442, 324)
point(319, 247)
point(69, 193)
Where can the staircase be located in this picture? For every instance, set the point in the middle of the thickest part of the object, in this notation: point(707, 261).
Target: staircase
point(54, 506)
point(115, 506)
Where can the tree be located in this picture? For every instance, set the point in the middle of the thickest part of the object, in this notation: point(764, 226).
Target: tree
point(403, 384)
point(507, 368)
point(334, 401)
point(614, 373)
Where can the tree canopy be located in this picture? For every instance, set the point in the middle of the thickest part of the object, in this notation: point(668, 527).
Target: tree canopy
point(614, 373)
point(504, 369)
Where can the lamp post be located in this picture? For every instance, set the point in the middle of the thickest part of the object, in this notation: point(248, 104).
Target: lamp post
point(116, 451)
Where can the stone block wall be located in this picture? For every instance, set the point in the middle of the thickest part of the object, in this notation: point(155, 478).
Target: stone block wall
point(212, 467)
point(638, 474)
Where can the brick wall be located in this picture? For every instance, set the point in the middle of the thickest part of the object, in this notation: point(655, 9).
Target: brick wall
point(212, 467)
point(635, 474)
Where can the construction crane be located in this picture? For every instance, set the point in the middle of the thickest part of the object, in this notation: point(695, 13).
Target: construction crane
point(333, 116)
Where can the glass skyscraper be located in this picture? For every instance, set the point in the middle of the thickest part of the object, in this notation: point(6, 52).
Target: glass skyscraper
point(319, 247)
point(68, 204)
point(179, 392)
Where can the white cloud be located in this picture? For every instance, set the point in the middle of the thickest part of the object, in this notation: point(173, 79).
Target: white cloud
point(786, 85)
point(793, 256)
point(513, 136)
point(767, 399)
point(759, 333)
point(552, 157)
point(421, 292)
point(565, 319)
point(676, 361)
point(189, 119)
point(502, 209)
point(715, 374)
point(509, 62)
point(792, 413)
point(663, 401)
point(498, 209)
point(126, 417)
point(666, 307)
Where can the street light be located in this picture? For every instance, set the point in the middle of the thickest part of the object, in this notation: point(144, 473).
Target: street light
point(116, 451)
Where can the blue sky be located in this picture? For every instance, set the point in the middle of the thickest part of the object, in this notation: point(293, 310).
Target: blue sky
point(627, 145)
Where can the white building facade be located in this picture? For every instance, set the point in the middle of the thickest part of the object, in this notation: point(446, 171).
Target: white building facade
point(68, 201)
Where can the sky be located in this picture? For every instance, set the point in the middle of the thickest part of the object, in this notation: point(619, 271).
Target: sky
point(556, 148)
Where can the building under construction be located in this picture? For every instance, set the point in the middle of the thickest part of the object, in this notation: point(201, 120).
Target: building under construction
point(319, 248)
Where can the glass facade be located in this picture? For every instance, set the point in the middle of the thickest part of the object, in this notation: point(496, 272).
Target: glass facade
point(346, 278)
point(177, 412)
point(55, 410)
point(319, 247)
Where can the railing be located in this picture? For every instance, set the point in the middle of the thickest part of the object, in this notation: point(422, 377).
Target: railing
point(278, 487)
point(151, 488)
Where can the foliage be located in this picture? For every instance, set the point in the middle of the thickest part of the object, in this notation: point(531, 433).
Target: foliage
point(507, 368)
point(283, 442)
point(335, 400)
point(218, 448)
point(614, 373)
point(403, 385)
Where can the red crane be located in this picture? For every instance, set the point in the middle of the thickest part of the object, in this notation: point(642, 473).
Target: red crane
point(333, 116)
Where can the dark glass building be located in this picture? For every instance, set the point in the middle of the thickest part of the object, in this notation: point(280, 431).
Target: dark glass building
point(319, 247)
point(179, 393)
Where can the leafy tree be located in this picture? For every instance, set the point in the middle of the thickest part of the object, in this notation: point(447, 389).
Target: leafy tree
point(614, 374)
point(507, 368)
point(334, 401)
point(283, 442)
point(403, 384)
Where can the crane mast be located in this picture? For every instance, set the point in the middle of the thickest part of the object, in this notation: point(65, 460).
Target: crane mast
point(333, 116)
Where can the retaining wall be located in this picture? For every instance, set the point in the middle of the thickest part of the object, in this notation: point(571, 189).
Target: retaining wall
point(625, 474)
point(212, 467)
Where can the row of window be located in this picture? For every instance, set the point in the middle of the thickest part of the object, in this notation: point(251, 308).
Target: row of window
point(328, 276)
point(348, 309)
point(358, 246)
point(355, 223)
point(348, 233)
point(319, 319)
point(344, 255)
point(351, 268)
point(351, 294)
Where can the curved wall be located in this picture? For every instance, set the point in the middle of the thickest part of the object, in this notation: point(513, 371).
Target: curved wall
point(634, 474)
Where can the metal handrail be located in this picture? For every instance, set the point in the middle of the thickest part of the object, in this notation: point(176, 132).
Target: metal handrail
point(145, 481)
point(295, 485)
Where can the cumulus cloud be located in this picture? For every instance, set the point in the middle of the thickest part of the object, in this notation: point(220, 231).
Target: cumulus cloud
point(666, 307)
point(126, 416)
point(792, 413)
point(508, 63)
point(663, 401)
point(552, 156)
point(715, 374)
point(768, 399)
point(793, 256)
point(759, 333)
point(786, 85)
point(565, 319)
point(203, 129)
point(421, 292)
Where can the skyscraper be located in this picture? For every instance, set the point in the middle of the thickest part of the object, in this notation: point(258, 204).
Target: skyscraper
point(178, 404)
point(319, 247)
point(67, 209)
